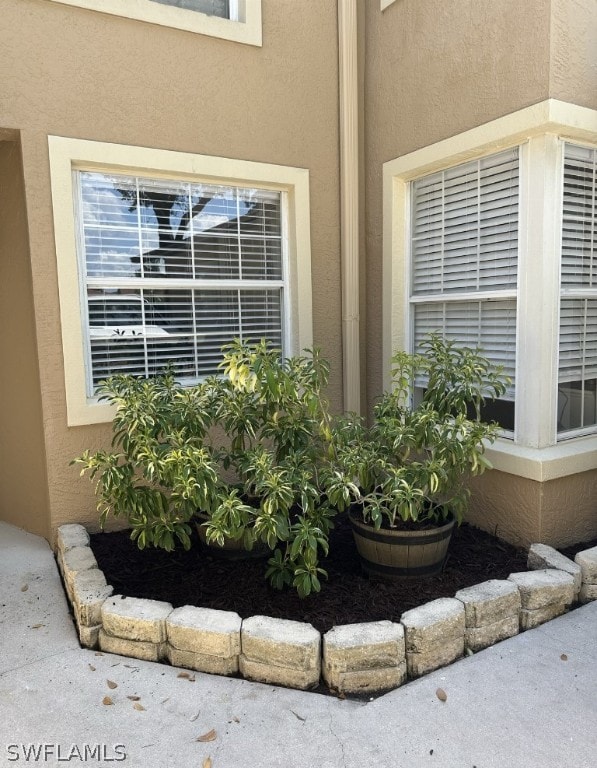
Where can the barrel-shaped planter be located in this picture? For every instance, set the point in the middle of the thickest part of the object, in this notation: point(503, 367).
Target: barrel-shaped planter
point(393, 554)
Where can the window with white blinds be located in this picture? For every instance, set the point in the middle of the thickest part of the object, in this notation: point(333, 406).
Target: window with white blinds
point(173, 270)
point(464, 260)
point(577, 374)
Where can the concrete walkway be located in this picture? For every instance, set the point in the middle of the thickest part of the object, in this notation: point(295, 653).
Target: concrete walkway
point(528, 702)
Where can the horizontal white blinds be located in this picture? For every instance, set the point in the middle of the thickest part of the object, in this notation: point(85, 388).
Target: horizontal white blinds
point(464, 248)
point(490, 325)
point(174, 270)
point(465, 227)
point(578, 339)
point(579, 218)
point(577, 370)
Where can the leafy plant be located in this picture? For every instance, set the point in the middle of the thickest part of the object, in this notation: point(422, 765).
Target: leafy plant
point(412, 464)
point(245, 448)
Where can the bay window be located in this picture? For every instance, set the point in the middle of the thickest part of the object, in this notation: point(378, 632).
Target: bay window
point(464, 251)
point(490, 239)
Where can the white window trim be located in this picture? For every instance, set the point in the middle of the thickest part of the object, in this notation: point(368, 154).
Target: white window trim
point(246, 28)
point(538, 130)
point(67, 155)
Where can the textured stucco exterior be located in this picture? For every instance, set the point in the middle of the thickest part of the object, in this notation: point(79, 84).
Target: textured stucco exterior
point(72, 72)
point(556, 512)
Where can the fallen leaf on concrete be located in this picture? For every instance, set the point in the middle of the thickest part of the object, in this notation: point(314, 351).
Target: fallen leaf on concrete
point(441, 694)
point(25, 587)
point(564, 657)
point(196, 716)
point(111, 684)
point(236, 720)
point(98, 653)
point(134, 698)
point(138, 707)
point(209, 736)
point(91, 667)
point(184, 675)
point(107, 701)
point(207, 762)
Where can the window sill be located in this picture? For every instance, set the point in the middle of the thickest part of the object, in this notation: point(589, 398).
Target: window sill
point(569, 457)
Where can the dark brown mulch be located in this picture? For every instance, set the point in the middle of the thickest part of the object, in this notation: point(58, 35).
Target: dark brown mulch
point(347, 596)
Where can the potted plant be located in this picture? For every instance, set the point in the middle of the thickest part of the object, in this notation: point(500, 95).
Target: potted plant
point(405, 476)
point(242, 450)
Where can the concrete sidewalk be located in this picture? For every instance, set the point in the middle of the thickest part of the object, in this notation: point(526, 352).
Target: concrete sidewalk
point(527, 702)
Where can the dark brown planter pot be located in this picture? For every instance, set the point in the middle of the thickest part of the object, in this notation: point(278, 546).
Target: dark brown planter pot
point(393, 554)
point(233, 549)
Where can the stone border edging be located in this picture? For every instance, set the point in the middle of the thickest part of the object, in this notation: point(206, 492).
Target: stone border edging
point(354, 658)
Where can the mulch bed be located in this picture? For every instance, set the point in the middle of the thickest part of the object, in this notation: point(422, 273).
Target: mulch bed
point(347, 596)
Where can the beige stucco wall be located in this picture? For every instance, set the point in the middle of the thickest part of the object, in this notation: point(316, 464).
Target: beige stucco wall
point(573, 52)
point(73, 72)
point(23, 493)
point(558, 512)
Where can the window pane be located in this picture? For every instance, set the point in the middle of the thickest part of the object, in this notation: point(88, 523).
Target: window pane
point(465, 227)
point(579, 219)
point(211, 7)
point(488, 325)
point(577, 364)
point(168, 248)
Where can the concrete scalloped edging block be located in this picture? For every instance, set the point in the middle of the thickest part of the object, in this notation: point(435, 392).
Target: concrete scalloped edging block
point(137, 649)
point(74, 561)
point(434, 635)
point(90, 590)
point(133, 618)
point(358, 658)
point(364, 658)
point(587, 560)
point(541, 557)
point(544, 595)
point(70, 536)
point(491, 611)
point(204, 639)
point(280, 651)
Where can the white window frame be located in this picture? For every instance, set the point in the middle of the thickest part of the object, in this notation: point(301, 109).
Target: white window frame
point(67, 155)
point(539, 131)
point(244, 26)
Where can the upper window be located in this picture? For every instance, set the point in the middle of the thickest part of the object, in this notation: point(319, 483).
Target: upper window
point(173, 270)
point(163, 257)
point(464, 261)
point(237, 20)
